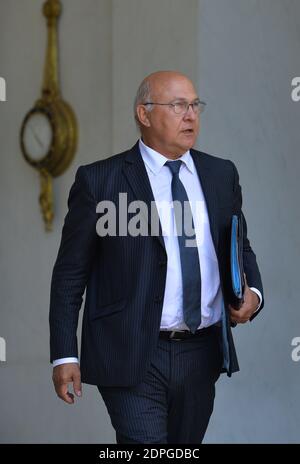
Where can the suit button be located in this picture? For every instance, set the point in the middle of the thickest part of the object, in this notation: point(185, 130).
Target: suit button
point(158, 299)
point(162, 263)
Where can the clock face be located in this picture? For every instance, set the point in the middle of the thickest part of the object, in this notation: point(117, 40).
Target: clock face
point(37, 136)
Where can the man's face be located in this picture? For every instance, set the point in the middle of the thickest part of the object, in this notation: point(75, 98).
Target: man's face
point(169, 133)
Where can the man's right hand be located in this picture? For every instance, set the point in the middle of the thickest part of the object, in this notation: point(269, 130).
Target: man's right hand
point(62, 376)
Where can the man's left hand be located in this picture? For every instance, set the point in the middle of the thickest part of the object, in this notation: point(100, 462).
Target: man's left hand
point(248, 308)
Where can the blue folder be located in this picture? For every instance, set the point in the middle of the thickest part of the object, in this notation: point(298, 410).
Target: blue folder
point(236, 261)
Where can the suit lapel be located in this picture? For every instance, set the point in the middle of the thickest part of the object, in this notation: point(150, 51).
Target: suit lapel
point(208, 185)
point(137, 177)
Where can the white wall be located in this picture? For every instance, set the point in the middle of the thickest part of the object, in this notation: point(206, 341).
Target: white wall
point(248, 54)
point(148, 36)
point(29, 409)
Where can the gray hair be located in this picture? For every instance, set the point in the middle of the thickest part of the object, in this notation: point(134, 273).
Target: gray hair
point(143, 95)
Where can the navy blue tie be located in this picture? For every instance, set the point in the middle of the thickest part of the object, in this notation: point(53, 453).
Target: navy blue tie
point(189, 258)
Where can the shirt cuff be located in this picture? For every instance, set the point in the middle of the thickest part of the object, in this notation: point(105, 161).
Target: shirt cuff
point(259, 296)
point(57, 362)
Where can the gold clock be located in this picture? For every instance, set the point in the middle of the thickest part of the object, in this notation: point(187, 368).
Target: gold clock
point(49, 130)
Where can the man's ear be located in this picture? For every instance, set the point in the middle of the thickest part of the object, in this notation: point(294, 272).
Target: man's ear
point(143, 115)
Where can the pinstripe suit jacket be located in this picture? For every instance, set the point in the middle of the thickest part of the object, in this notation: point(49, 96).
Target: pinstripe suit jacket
point(125, 276)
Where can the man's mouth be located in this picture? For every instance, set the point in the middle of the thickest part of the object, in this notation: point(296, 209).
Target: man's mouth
point(188, 131)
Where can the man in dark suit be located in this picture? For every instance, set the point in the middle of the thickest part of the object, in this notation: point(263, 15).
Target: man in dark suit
point(158, 311)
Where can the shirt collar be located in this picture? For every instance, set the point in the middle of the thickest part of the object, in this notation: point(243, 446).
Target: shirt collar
point(155, 160)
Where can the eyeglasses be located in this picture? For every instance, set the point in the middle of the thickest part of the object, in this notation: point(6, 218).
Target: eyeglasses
point(181, 107)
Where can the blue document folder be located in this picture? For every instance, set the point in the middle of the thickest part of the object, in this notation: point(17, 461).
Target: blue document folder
point(236, 261)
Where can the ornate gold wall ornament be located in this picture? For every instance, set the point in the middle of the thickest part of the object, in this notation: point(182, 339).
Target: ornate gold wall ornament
point(49, 130)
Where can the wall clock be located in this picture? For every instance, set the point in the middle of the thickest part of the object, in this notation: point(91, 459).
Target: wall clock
point(49, 131)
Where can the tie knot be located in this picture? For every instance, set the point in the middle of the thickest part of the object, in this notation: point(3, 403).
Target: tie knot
point(174, 166)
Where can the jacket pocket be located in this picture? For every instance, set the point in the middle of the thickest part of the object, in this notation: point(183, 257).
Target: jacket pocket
point(109, 309)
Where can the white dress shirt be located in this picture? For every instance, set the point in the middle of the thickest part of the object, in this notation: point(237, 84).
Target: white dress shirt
point(160, 178)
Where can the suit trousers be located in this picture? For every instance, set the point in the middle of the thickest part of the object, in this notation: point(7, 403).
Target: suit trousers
point(174, 402)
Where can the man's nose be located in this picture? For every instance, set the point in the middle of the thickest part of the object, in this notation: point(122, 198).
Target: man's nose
point(190, 113)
